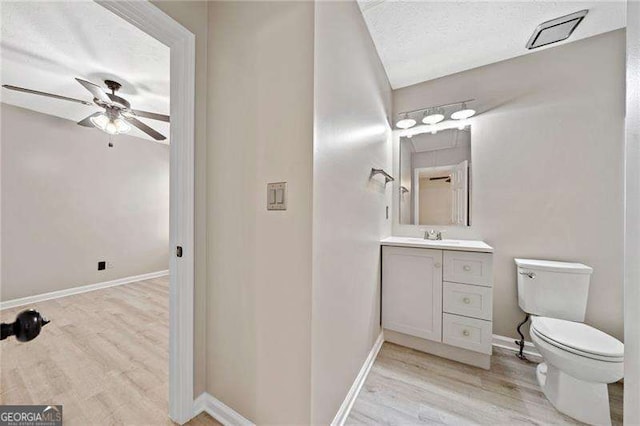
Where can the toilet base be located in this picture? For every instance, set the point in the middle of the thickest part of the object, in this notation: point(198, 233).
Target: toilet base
point(584, 401)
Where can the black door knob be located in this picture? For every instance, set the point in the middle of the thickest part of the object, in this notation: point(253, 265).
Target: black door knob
point(26, 327)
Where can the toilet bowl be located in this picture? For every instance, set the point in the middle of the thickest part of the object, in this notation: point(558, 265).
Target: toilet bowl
point(579, 362)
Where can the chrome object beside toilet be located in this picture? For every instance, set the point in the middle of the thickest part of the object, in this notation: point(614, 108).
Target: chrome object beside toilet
point(579, 360)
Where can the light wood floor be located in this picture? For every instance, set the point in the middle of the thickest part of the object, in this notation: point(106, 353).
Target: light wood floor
point(406, 387)
point(104, 357)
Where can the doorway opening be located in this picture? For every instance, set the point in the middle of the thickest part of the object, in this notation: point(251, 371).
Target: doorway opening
point(177, 361)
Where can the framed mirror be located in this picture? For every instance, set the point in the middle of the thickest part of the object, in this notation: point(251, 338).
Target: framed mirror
point(435, 178)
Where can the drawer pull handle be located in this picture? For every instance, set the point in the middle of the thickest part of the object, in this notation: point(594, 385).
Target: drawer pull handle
point(437, 264)
point(466, 300)
point(467, 268)
point(465, 332)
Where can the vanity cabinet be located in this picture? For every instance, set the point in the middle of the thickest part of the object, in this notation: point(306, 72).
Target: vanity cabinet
point(437, 294)
point(410, 277)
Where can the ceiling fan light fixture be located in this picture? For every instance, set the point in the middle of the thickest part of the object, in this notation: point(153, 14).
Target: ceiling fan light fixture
point(406, 122)
point(109, 125)
point(463, 113)
point(433, 116)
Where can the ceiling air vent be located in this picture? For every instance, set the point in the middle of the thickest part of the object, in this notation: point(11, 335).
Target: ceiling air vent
point(556, 30)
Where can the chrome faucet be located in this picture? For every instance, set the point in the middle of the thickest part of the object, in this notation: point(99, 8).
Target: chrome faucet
point(432, 234)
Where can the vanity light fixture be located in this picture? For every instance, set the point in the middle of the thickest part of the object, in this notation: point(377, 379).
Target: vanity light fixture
point(406, 122)
point(463, 113)
point(433, 116)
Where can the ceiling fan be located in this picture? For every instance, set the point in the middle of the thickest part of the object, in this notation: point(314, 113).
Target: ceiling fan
point(117, 115)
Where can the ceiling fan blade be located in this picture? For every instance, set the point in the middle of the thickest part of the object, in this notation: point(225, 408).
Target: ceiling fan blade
point(87, 121)
point(151, 115)
point(148, 130)
point(95, 90)
point(50, 95)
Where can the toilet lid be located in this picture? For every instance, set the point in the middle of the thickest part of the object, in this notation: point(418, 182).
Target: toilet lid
point(579, 336)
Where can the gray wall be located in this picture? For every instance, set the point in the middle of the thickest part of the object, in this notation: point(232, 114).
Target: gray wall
point(352, 135)
point(69, 201)
point(632, 226)
point(260, 130)
point(547, 154)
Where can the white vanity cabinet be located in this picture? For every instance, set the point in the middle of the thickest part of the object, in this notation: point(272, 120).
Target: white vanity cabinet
point(437, 297)
point(410, 277)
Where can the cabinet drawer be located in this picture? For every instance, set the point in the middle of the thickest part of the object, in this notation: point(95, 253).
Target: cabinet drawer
point(468, 268)
point(468, 333)
point(469, 300)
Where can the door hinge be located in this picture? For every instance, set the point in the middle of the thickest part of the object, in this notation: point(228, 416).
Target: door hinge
point(179, 251)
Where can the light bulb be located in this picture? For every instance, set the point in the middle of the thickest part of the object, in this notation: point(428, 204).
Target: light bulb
point(121, 125)
point(463, 113)
point(111, 128)
point(433, 116)
point(405, 122)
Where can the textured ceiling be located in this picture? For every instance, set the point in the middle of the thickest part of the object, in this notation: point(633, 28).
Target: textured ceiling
point(45, 45)
point(423, 40)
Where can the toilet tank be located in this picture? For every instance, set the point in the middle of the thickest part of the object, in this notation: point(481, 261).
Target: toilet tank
point(553, 289)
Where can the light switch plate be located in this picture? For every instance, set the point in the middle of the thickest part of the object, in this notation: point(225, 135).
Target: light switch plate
point(277, 196)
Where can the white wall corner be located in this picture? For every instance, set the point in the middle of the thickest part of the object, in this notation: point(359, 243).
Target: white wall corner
point(509, 343)
point(354, 391)
point(219, 411)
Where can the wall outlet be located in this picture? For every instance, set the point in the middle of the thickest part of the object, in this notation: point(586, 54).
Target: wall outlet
point(102, 265)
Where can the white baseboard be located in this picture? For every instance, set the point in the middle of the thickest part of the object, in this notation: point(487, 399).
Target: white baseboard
point(509, 343)
point(81, 289)
point(352, 395)
point(219, 411)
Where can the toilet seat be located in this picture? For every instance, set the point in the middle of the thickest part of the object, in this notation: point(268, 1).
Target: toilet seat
point(578, 338)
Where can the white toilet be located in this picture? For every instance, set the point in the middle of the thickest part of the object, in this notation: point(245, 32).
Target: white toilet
point(579, 360)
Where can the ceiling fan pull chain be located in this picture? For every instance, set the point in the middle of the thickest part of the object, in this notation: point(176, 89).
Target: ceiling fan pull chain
point(110, 141)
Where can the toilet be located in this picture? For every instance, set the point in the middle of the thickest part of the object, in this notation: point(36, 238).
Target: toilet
point(579, 360)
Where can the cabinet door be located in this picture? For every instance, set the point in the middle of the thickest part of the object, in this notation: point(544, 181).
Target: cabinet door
point(412, 291)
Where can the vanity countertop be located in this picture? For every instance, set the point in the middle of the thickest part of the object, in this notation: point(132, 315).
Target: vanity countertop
point(461, 245)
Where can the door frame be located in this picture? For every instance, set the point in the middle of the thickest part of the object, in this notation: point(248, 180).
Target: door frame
point(150, 19)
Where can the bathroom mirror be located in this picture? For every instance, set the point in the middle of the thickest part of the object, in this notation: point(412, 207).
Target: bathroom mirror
point(435, 178)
